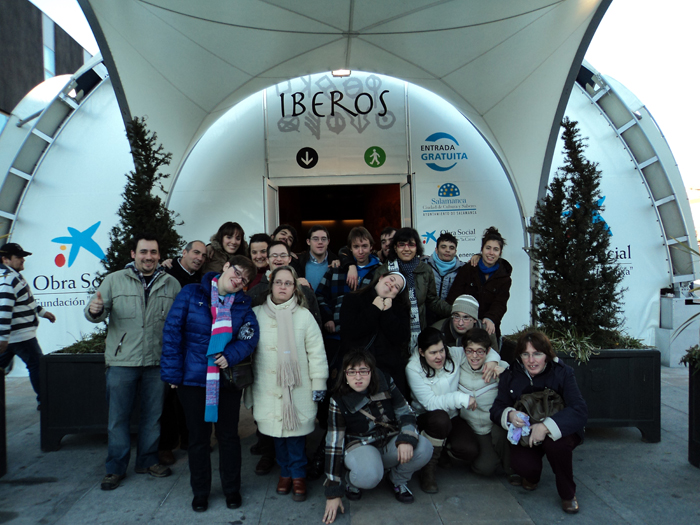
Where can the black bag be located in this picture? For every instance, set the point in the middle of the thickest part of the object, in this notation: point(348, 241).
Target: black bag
point(238, 376)
point(539, 406)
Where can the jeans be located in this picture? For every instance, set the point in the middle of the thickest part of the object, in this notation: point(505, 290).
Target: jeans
point(193, 400)
point(123, 383)
point(366, 463)
point(291, 456)
point(30, 352)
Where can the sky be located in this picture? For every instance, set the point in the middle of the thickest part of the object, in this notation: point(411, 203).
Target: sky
point(649, 46)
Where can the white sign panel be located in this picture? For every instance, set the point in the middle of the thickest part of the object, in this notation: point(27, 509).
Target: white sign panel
point(322, 125)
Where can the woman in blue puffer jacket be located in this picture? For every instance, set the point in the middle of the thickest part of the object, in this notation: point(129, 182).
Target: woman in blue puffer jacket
point(210, 327)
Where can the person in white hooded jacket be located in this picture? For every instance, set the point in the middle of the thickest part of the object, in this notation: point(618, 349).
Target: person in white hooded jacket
point(433, 376)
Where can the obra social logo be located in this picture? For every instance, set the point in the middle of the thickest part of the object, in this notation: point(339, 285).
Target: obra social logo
point(77, 240)
point(443, 149)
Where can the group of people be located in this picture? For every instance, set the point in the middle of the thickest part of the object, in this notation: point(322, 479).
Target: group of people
point(396, 354)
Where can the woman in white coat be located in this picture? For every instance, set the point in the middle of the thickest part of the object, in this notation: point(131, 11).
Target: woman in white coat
point(290, 371)
point(433, 375)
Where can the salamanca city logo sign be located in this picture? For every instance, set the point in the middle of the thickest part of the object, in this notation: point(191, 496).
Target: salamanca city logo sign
point(440, 152)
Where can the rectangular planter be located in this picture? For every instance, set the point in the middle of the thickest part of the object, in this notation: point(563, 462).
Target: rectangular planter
point(622, 388)
point(694, 418)
point(73, 399)
point(3, 426)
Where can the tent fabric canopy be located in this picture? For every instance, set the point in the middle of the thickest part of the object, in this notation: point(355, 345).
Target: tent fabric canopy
point(508, 66)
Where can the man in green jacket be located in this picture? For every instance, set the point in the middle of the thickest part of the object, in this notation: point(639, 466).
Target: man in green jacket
point(136, 300)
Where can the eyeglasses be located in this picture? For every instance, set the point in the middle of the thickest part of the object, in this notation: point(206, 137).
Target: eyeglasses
point(411, 244)
point(459, 319)
point(283, 284)
point(364, 372)
point(479, 351)
point(527, 355)
point(319, 239)
point(239, 276)
point(278, 255)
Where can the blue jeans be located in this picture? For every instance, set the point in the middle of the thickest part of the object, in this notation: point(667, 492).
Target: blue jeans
point(123, 383)
point(30, 352)
point(291, 456)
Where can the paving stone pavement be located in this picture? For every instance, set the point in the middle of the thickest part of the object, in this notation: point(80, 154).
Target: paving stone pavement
point(620, 480)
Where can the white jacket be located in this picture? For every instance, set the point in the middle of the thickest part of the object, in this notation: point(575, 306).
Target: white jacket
point(472, 383)
point(441, 391)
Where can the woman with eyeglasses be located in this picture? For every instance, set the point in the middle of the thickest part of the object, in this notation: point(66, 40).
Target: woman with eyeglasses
point(290, 373)
point(370, 428)
point(475, 381)
point(537, 367)
point(433, 375)
point(229, 240)
point(487, 278)
point(376, 319)
point(210, 327)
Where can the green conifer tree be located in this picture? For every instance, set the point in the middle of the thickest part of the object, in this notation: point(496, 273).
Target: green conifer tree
point(578, 285)
point(141, 210)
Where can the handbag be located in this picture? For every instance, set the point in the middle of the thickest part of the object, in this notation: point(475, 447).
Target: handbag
point(539, 406)
point(238, 376)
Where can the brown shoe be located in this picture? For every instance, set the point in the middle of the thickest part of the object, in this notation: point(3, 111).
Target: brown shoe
point(284, 485)
point(527, 485)
point(570, 506)
point(299, 489)
point(265, 465)
point(166, 457)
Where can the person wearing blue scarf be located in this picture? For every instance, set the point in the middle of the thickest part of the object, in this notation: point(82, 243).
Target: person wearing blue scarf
point(445, 265)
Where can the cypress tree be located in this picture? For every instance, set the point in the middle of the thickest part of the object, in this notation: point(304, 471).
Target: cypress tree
point(142, 211)
point(578, 282)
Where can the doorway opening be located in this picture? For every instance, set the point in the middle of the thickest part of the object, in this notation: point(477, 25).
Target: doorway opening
point(340, 208)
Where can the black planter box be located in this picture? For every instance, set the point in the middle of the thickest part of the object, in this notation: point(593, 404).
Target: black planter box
point(694, 418)
point(3, 426)
point(73, 400)
point(622, 388)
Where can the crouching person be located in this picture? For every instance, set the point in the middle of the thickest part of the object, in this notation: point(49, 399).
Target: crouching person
point(493, 446)
point(433, 375)
point(370, 428)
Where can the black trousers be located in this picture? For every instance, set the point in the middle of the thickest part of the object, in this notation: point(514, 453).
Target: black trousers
point(193, 402)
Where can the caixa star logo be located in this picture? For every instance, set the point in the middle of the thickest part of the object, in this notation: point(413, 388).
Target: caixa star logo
point(77, 240)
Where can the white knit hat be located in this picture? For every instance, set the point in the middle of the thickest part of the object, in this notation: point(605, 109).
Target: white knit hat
point(466, 304)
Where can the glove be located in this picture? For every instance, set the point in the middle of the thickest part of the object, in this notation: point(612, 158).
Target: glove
point(318, 395)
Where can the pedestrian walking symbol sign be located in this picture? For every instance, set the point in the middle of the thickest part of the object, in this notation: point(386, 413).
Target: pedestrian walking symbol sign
point(375, 157)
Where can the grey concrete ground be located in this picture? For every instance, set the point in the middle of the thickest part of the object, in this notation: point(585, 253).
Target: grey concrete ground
point(620, 480)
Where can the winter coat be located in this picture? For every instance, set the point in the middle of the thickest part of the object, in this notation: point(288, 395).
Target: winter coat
point(216, 257)
point(135, 328)
point(258, 295)
point(267, 394)
point(492, 294)
point(188, 330)
point(472, 382)
point(349, 428)
point(556, 376)
point(426, 294)
point(443, 283)
point(362, 320)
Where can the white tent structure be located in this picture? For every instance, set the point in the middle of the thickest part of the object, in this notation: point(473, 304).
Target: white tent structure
point(507, 66)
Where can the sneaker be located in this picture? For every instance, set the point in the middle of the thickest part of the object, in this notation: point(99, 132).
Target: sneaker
point(352, 492)
point(403, 494)
point(111, 481)
point(157, 471)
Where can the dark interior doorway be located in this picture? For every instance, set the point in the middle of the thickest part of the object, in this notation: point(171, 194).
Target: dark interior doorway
point(340, 208)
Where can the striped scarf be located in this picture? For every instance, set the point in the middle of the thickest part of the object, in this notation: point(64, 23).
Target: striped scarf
point(407, 269)
point(221, 334)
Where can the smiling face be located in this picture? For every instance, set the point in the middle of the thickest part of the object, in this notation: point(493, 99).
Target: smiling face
point(476, 355)
point(388, 286)
point(490, 253)
point(446, 251)
point(285, 236)
point(533, 360)
point(278, 255)
point(232, 279)
point(231, 243)
point(318, 244)
point(258, 254)
point(282, 287)
point(434, 355)
point(193, 259)
point(386, 243)
point(146, 256)
point(406, 250)
point(355, 379)
point(361, 250)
